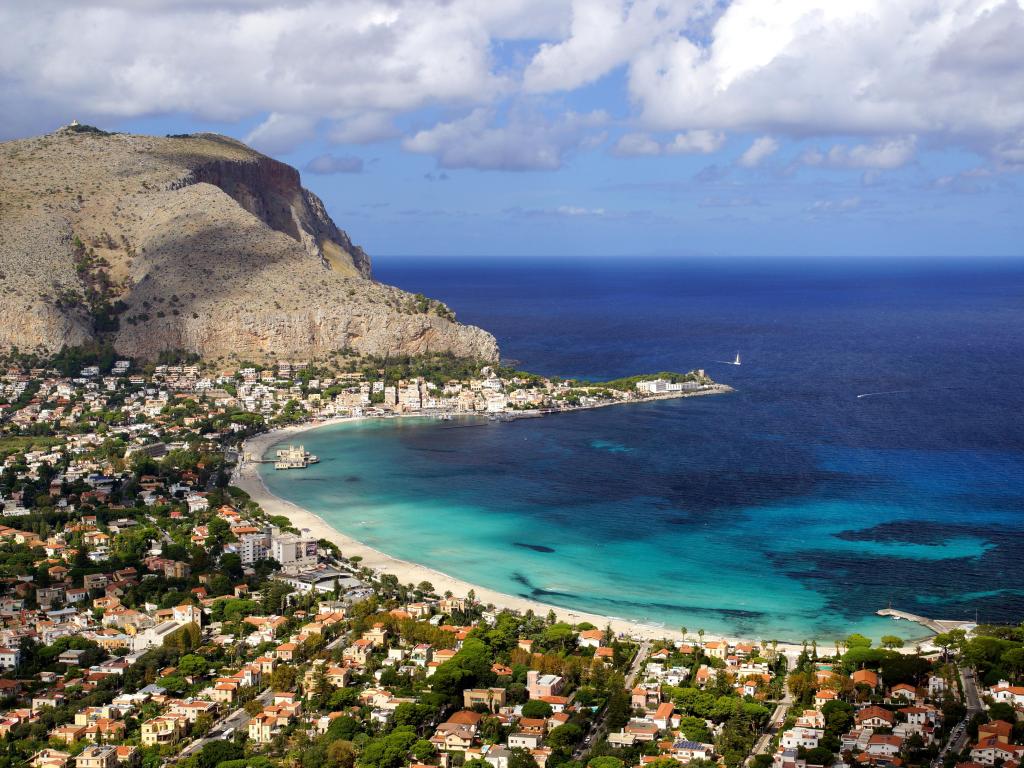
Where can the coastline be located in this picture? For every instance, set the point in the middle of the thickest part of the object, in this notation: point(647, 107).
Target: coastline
point(247, 478)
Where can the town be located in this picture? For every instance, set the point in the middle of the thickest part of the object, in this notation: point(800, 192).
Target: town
point(153, 614)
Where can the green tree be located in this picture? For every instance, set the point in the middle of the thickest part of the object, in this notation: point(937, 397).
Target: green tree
point(191, 665)
point(892, 641)
point(537, 709)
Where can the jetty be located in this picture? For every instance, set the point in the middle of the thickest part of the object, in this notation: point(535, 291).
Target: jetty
point(935, 625)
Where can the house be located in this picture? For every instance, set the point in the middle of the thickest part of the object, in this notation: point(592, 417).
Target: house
point(904, 691)
point(686, 751)
point(69, 734)
point(716, 649)
point(591, 638)
point(866, 677)
point(521, 740)
point(937, 686)
point(1008, 694)
point(990, 750)
point(164, 729)
point(9, 658)
point(539, 686)
point(97, 756)
point(885, 745)
point(795, 738)
point(823, 697)
point(875, 717)
point(646, 696)
point(49, 758)
point(663, 715)
point(492, 698)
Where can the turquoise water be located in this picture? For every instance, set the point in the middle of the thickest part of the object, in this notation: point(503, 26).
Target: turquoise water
point(789, 510)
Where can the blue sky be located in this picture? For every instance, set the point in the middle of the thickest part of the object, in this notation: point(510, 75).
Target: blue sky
point(611, 127)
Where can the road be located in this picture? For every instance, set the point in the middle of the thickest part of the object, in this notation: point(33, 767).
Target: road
point(778, 718)
point(234, 720)
point(972, 700)
point(598, 728)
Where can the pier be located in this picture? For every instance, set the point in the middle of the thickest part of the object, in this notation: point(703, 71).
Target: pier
point(935, 625)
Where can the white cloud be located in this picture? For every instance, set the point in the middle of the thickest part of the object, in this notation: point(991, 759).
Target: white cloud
point(800, 67)
point(637, 144)
point(364, 128)
point(690, 142)
point(696, 141)
point(882, 155)
point(281, 133)
point(524, 143)
point(838, 207)
point(943, 70)
point(762, 148)
point(328, 164)
point(575, 210)
point(604, 34)
point(229, 60)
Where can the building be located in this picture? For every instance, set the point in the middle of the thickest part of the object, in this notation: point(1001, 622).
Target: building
point(9, 658)
point(492, 698)
point(97, 756)
point(539, 686)
point(294, 552)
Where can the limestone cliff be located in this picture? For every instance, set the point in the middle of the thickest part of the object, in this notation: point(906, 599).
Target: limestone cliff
point(193, 242)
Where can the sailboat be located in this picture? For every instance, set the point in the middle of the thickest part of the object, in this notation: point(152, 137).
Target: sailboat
point(730, 362)
point(737, 360)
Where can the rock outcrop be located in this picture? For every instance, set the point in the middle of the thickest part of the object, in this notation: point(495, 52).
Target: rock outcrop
point(195, 243)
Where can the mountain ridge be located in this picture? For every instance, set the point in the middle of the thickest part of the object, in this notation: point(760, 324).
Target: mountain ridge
point(196, 243)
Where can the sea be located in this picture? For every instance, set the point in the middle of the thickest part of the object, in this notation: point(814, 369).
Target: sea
point(872, 454)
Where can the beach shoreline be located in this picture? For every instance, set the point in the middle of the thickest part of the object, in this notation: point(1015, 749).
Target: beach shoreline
point(248, 478)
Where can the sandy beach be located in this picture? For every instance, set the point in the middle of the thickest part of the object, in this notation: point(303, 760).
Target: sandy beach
point(247, 477)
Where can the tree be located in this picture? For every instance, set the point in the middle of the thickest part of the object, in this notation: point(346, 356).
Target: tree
point(218, 751)
point(1002, 711)
point(341, 753)
point(857, 640)
point(565, 737)
point(1014, 661)
point(423, 750)
point(537, 709)
point(520, 758)
point(892, 641)
point(605, 761)
point(838, 717)
point(818, 756)
point(191, 665)
point(283, 678)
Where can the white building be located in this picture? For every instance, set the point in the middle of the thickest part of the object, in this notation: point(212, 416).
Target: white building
point(294, 553)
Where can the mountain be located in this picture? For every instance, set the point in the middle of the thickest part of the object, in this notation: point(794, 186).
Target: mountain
point(194, 243)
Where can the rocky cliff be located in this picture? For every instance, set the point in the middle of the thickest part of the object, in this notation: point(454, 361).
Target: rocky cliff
point(196, 243)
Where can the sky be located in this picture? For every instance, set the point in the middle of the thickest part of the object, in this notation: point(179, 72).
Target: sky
point(808, 128)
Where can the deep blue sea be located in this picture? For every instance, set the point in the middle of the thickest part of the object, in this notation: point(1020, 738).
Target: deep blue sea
point(791, 509)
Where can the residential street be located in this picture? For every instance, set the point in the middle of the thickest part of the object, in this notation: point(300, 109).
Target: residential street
point(599, 728)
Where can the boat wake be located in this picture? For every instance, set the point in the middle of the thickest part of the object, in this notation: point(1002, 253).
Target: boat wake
point(879, 394)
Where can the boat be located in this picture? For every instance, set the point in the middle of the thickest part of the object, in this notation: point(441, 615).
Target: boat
point(737, 360)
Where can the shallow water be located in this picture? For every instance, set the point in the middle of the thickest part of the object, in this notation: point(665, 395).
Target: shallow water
point(791, 509)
